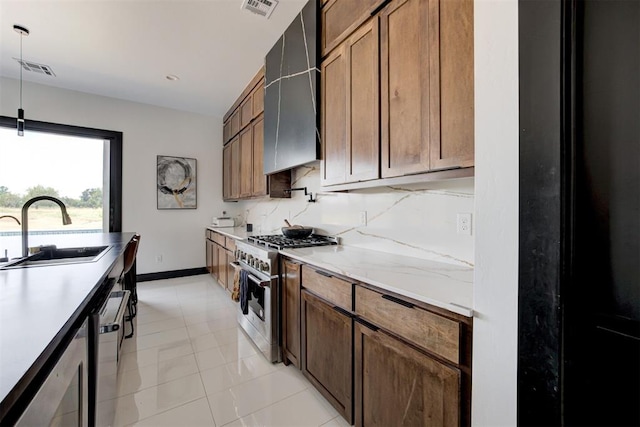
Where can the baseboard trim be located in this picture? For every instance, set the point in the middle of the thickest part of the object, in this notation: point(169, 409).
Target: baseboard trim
point(147, 277)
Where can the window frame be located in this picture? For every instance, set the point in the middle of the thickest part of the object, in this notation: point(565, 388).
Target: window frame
point(115, 157)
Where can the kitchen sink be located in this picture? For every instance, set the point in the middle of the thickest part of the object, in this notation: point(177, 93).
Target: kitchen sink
point(52, 255)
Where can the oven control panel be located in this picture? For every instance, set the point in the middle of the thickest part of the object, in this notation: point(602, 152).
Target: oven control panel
point(260, 259)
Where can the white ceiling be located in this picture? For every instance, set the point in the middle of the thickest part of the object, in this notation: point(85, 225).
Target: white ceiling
point(125, 48)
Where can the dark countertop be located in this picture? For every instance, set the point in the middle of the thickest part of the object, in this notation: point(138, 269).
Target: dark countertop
point(39, 305)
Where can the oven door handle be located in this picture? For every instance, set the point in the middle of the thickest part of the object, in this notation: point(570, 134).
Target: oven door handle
point(261, 283)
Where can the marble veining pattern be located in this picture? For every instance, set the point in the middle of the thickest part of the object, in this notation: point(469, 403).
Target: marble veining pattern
point(413, 220)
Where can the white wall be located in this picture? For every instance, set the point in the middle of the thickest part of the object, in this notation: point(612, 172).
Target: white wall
point(495, 286)
point(178, 235)
point(417, 220)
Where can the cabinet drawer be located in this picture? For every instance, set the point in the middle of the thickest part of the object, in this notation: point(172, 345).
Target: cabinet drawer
point(341, 17)
point(334, 290)
point(231, 244)
point(430, 331)
point(219, 239)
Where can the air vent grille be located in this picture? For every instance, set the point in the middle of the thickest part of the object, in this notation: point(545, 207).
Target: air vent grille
point(260, 7)
point(35, 67)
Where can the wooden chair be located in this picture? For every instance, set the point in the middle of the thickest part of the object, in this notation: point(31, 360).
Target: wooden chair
point(130, 254)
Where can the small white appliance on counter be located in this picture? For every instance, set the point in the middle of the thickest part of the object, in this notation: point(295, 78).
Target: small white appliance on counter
point(222, 222)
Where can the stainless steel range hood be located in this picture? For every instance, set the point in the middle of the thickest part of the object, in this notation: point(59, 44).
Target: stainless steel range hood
point(291, 136)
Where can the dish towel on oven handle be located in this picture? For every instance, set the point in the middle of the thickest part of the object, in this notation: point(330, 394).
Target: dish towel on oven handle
point(235, 295)
point(244, 291)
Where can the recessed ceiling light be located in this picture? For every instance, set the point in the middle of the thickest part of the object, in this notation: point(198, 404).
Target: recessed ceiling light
point(172, 77)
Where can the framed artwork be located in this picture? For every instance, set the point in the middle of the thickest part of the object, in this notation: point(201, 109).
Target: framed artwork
point(176, 183)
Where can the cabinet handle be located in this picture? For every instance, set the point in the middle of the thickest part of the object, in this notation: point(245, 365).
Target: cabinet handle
point(324, 273)
point(366, 324)
point(342, 311)
point(398, 301)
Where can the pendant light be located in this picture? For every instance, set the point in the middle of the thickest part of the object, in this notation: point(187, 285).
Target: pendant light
point(23, 31)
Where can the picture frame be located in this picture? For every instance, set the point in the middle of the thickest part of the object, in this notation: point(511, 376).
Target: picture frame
point(176, 182)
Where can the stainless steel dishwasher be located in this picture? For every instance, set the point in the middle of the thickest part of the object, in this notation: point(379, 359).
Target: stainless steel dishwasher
point(111, 332)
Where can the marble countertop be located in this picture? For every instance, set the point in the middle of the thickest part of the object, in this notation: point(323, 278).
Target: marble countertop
point(238, 233)
point(443, 285)
point(40, 305)
point(447, 286)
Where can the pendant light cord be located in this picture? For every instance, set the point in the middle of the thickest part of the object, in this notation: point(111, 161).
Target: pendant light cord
point(21, 67)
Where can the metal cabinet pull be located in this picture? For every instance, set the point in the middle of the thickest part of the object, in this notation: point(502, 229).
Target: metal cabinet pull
point(398, 301)
point(323, 273)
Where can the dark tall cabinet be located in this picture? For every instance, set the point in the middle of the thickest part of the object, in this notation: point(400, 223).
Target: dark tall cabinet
point(579, 285)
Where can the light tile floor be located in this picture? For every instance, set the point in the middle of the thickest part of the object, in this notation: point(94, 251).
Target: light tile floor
point(189, 364)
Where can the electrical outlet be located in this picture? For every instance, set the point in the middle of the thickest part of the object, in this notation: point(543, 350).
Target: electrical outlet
point(363, 218)
point(464, 223)
point(159, 258)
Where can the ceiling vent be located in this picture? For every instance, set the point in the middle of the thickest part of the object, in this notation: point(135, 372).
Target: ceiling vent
point(260, 7)
point(38, 68)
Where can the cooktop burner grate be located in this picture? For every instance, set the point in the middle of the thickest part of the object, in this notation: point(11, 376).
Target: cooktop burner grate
point(278, 241)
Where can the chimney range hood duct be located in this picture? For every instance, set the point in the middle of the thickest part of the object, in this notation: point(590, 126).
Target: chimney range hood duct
point(291, 136)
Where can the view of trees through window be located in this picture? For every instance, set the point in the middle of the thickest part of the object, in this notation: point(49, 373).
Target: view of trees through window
point(68, 168)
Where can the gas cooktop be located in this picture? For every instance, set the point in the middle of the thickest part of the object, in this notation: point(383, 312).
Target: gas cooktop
point(278, 241)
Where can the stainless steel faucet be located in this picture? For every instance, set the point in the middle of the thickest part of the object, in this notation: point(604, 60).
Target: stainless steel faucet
point(66, 219)
point(5, 258)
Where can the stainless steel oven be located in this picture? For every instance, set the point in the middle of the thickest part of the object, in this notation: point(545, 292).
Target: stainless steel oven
point(258, 258)
point(62, 400)
point(261, 319)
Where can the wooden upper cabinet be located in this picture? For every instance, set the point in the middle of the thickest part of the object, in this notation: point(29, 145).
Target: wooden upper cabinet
point(227, 173)
point(235, 123)
point(257, 99)
point(350, 106)
point(334, 117)
point(259, 178)
point(246, 111)
point(226, 131)
point(235, 168)
point(246, 164)
point(452, 118)
point(339, 18)
point(395, 384)
point(363, 91)
point(407, 43)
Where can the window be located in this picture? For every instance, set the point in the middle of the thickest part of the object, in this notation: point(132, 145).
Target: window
point(80, 166)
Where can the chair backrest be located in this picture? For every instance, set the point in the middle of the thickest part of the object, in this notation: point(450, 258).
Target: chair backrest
point(130, 253)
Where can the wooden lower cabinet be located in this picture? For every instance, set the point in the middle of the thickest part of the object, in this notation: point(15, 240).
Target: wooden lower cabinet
point(222, 266)
point(214, 260)
point(291, 312)
point(327, 351)
point(397, 385)
point(230, 271)
point(209, 255)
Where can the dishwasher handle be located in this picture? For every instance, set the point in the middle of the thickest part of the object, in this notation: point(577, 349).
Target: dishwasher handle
point(111, 318)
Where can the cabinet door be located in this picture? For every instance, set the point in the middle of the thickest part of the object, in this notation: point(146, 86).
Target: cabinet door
point(407, 43)
point(235, 123)
point(363, 92)
point(226, 131)
point(226, 172)
point(230, 270)
point(326, 348)
point(235, 168)
point(222, 266)
point(246, 162)
point(214, 261)
point(452, 113)
point(246, 111)
point(291, 311)
point(208, 257)
point(334, 117)
point(397, 385)
point(258, 99)
point(259, 178)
